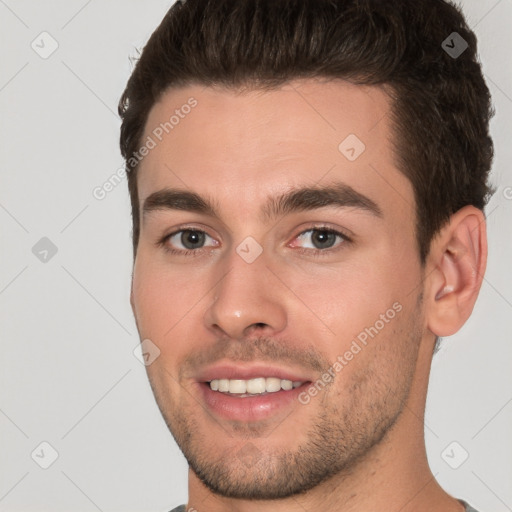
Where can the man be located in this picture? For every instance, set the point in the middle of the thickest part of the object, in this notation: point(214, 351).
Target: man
point(308, 179)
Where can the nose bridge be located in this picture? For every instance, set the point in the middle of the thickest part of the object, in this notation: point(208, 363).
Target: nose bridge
point(247, 294)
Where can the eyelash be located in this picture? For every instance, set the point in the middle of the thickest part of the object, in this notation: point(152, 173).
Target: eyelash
point(310, 252)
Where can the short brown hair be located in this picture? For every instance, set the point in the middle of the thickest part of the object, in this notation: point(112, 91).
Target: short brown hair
point(442, 108)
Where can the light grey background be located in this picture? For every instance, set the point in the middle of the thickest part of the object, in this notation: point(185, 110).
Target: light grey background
point(68, 373)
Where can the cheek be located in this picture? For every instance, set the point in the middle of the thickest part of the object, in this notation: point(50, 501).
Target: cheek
point(349, 298)
point(365, 301)
point(162, 297)
point(381, 358)
point(162, 300)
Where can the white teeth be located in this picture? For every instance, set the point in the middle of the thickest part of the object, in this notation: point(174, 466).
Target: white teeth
point(237, 386)
point(224, 385)
point(287, 385)
point(255, 386)
point(273, 384)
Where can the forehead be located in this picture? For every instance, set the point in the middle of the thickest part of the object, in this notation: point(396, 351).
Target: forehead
point(240, 147)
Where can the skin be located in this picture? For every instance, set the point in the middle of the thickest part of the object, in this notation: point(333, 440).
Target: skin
point(358, 445)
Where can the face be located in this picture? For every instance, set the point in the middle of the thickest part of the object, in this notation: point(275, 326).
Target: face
point(277, 272)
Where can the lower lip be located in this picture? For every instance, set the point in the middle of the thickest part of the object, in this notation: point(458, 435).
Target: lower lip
point(250, 408)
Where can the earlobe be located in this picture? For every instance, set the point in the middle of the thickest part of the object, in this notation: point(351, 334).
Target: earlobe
point(458, 258)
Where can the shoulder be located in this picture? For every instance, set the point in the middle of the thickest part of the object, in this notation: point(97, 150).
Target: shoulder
point(181, 508)
point(469, 508)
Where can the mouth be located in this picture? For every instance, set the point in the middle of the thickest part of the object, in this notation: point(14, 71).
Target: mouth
point(249, 394)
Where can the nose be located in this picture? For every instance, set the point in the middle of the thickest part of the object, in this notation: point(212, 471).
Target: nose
point(247, 298)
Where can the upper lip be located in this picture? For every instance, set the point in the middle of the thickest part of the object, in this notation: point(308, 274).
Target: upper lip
point(245, 372)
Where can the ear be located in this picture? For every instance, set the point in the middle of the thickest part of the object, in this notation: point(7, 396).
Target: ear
point(456, 266)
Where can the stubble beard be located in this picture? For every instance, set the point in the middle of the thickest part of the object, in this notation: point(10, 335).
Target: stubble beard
point(350, 424)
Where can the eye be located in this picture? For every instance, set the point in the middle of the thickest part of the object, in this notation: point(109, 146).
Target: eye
point(190, 242)
point(322, 239)
point(186, 241)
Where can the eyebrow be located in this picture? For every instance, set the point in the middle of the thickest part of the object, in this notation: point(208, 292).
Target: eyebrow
point(337, 195)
